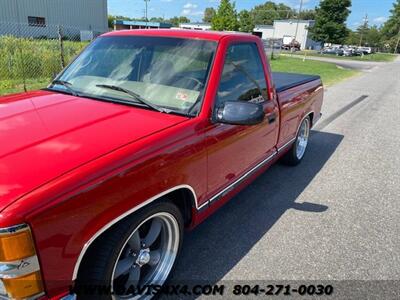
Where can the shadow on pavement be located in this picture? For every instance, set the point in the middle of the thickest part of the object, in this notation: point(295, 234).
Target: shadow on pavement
point(213, 248)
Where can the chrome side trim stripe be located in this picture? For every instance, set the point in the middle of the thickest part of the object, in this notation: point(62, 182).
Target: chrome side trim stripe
point(203, 205)
point(286, 144)
point(240, 179)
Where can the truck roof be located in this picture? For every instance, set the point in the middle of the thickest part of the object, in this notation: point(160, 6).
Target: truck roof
point(179, 33)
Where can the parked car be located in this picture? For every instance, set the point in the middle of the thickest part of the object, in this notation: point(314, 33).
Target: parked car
point(146, 133)
point(351, 51)
point(365, 50)
point(333, 51)
point(347, 52)
point(358, 52)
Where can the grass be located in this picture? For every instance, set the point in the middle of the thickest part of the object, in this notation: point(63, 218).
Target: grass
point(330, 73)
point(378, 57)
point(17, 86)
point(36, 60)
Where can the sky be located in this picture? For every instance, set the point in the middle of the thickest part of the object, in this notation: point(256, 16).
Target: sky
point(377, 10)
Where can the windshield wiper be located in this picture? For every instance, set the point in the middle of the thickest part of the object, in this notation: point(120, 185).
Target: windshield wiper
point(135, 96)
point(66, 84)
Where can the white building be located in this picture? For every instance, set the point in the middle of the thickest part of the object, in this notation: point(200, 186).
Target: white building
point(288, 30)
point(34, 18)
point(264, 31)
point(195, 26)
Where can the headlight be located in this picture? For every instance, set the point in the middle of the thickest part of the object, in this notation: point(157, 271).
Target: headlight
point(19, 266)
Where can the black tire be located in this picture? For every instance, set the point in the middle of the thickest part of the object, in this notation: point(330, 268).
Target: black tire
point(291, 158)
point(96, 270)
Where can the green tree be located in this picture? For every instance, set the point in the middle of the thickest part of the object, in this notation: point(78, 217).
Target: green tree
point(175, 21)
point(111, 19)
point(246, 23)
point(157, 19)
point(330, 21)
point(353, 38)
point(209, 13)
point(391, 28)
point(284, 11)
point(373, 37)
point(225, 17)
point(307, 14)
point(265, 14)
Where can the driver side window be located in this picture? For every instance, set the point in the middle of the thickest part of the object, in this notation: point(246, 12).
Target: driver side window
point(243, 77)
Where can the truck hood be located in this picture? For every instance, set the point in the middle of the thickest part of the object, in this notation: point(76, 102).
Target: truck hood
point(44, 134)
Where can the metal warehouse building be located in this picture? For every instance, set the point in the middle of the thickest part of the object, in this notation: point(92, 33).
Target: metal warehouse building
point(297, 29)
point(42, 18)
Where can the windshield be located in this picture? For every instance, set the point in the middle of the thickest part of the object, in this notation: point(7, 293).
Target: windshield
point(170, 73)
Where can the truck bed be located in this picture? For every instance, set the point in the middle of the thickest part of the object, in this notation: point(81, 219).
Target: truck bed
point(285, 81)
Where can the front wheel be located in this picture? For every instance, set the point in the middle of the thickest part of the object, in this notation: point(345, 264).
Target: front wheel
point(140, 251)
point(296, 153)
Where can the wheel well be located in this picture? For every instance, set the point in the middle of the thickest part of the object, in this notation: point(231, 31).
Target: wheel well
point(183, 198)
point(311, 118)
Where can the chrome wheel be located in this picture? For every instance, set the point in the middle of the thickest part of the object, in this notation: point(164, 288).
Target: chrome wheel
point(302, 138)
point(147, 256)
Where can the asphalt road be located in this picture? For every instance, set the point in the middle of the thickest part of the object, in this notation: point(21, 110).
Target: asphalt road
point(336, 216)
point(345, 63)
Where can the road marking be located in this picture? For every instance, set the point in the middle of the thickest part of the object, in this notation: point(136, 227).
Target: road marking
point(338, 113)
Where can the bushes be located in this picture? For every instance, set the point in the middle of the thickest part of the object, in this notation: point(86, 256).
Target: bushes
point(27, 58)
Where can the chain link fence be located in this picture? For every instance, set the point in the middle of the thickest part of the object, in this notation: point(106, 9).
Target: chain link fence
point(31, 55)
point(273, 47)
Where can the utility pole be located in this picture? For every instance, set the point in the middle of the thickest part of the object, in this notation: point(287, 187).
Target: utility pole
point(364, 28)
point(145, 12)
point(298, 20)
point(397, 44)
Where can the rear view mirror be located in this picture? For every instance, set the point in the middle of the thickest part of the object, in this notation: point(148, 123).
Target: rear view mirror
point(240, 113)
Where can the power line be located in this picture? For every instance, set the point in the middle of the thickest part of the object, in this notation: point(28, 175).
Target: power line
point(145, 13)
point(298, 20)
point(397, 44)
point(364, 28)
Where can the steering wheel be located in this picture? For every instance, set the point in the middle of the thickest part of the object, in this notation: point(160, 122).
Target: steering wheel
point(198, 83)
point(87, 61)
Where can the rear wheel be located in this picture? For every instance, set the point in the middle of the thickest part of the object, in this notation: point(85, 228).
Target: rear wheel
point(296, 153)
point(140, 251)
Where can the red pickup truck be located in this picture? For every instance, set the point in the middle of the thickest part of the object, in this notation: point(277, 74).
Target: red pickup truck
point(145, 134)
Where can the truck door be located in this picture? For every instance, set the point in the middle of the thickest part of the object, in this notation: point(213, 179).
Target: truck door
point(234, 150)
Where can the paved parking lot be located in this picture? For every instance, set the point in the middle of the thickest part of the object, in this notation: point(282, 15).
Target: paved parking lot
point(334, 217)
